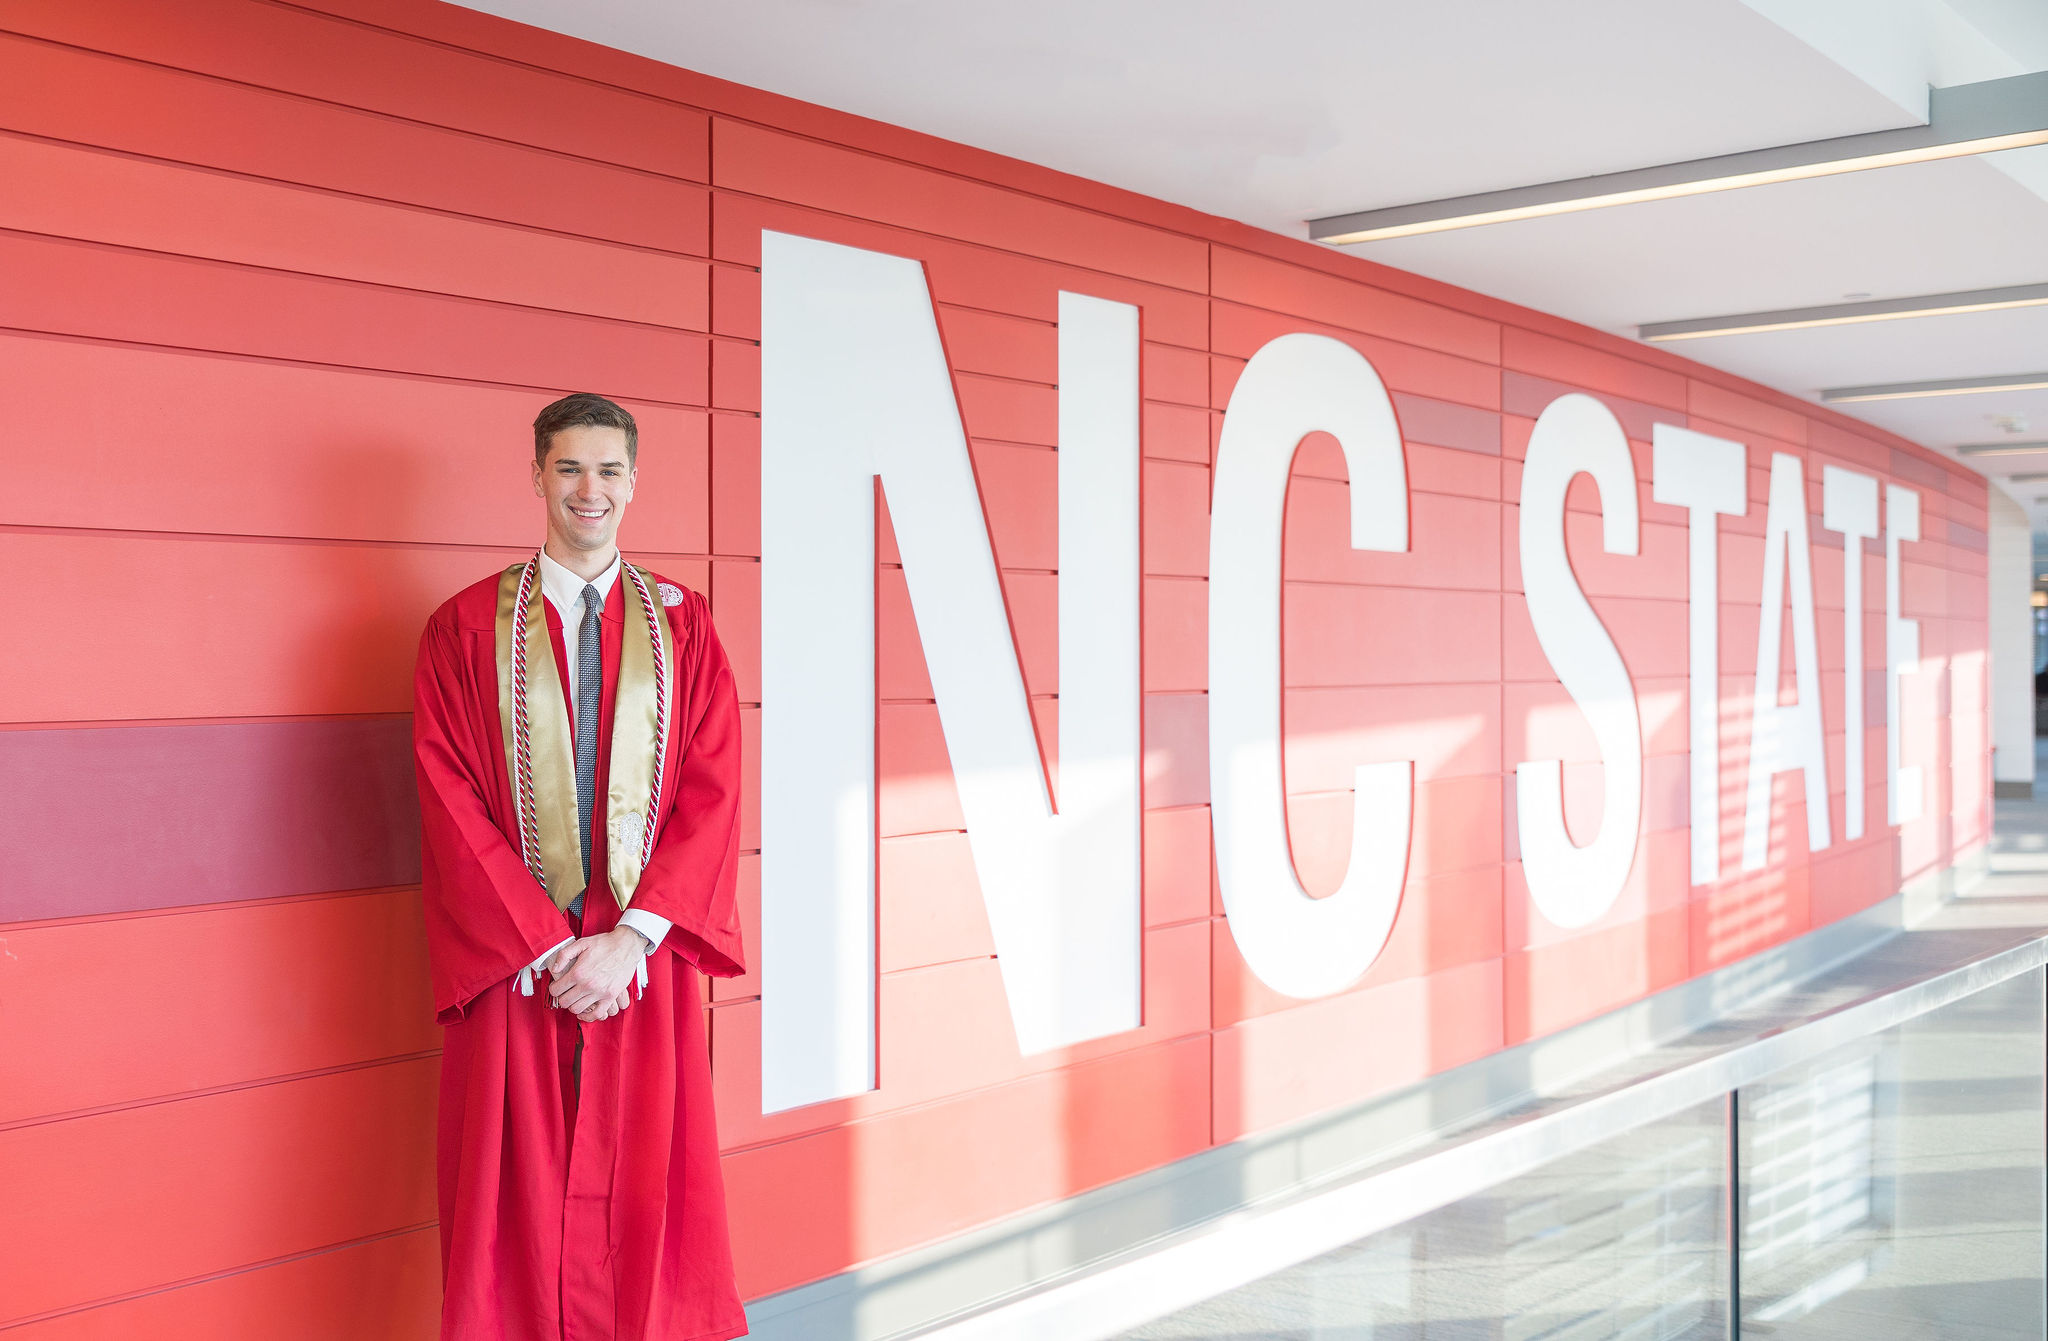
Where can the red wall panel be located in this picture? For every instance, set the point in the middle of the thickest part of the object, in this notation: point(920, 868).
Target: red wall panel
point(977, 1155)
point(110, 1203)
point(88, 194)
point(751, 160)
point(1283, 1066)
point(136, 107)
point(202, 999)
point(1022, 283)
point(1261, 282)
point(302, 273)
point(237, 628)
point(1240, 331)
point(325, 452)
point(291, 49)
point(73, 288)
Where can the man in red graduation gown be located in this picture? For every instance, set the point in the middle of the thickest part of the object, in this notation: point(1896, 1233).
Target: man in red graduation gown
point(576, 737)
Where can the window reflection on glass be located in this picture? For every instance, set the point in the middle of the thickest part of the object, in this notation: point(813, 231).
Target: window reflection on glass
point(1624, 1240)
point(1814, 1216)
point(1893, 1189)
point(1890, 1189)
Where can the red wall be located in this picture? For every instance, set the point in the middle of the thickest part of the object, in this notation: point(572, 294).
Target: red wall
point(285, 284)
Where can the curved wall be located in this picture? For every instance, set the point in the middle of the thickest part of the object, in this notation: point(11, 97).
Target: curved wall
point(286, 284)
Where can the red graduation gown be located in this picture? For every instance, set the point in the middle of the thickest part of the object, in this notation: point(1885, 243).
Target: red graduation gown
point(595, 1214)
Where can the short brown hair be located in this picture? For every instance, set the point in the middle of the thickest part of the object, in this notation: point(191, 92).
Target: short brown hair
point(583, 409)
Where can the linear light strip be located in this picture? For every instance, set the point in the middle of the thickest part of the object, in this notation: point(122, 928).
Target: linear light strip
point(2003, 449)
point(1966, 119)
point(1848, 314)
point(1957, 386)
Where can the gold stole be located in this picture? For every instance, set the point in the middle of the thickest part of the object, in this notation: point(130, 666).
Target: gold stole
point(534, 714)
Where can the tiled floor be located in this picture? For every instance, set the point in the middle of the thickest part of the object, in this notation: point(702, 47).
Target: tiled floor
point(1891, 1190)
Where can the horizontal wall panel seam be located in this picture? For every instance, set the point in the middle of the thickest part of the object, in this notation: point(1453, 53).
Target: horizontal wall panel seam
point(309, 221)
point(228, 1273)
point(370, 370)
point(651, 558)
point(185, 909)
point(203, 721)
point(185, 1096)
point(341, 278)
point(277, 1188)
point(373, 286)
point(386, 202)
point(1370, 334)
point(1395, 584)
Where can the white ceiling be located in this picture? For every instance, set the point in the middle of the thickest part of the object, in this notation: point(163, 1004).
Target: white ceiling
point(1277, 113)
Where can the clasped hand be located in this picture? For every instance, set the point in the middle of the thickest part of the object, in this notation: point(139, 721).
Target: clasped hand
point(592, 976)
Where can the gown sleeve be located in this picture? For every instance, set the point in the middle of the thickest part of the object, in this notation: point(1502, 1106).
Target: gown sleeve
point(692, 878)
point(487, 917)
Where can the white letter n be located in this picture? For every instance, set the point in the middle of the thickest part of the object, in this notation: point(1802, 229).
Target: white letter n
point(854, 386)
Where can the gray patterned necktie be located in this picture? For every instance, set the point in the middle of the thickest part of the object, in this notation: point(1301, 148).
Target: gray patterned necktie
point(589, 689)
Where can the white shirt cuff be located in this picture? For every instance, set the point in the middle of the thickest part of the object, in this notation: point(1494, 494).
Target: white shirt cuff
point(526, 974)
point(651, 925)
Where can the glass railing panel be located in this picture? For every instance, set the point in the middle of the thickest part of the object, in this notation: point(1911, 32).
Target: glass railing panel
point(1893, 1188)
point(1626, 1239)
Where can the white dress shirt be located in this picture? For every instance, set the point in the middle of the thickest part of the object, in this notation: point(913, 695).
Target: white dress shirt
point(564, 591)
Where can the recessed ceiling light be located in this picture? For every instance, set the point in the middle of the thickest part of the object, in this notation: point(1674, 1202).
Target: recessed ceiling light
point(1855, 297)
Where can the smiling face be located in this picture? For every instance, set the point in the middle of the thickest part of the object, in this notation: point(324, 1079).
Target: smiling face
point(586, 482)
